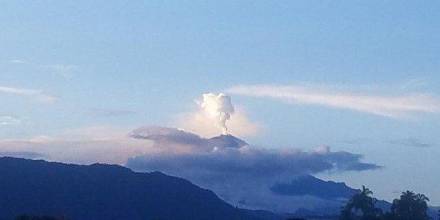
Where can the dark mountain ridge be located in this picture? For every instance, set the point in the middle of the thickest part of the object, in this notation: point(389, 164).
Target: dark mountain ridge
point(310, 185)
point(99, 191)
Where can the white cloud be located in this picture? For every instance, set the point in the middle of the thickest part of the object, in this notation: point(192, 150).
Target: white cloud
point(393, 106)
point(30, 93)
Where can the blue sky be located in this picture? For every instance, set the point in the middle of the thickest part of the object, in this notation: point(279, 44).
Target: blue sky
point(77, 64)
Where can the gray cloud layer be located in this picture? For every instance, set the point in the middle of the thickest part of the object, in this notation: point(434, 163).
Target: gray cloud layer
point(164, 137)
point(224, 166)
point(228, 154)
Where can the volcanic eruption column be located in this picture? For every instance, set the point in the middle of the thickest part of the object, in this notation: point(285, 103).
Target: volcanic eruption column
point(218, 107)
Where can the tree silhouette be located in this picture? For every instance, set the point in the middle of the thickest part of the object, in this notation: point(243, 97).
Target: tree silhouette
point(361, 207)
point(410, 206)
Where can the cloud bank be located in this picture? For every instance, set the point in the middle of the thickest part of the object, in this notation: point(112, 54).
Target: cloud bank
point(399, 106)
point(226, 164)
point(228, 156)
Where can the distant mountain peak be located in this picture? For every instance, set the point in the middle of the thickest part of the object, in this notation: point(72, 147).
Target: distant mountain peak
point(227, 140)
point(310, 185)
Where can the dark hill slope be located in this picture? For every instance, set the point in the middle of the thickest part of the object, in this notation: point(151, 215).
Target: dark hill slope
point(103, 192)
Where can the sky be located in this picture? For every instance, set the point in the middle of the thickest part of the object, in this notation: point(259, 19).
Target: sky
point(357, 76)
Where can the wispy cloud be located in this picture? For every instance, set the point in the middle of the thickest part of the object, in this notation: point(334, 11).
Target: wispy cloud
point(63, 70)
point(17, 61)
point(30, 93)
point(393, 106)
point(9, 120)
point(410, 142)
point(104, 112)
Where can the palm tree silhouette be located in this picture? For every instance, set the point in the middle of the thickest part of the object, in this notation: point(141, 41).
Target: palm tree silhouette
point(361, 206)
